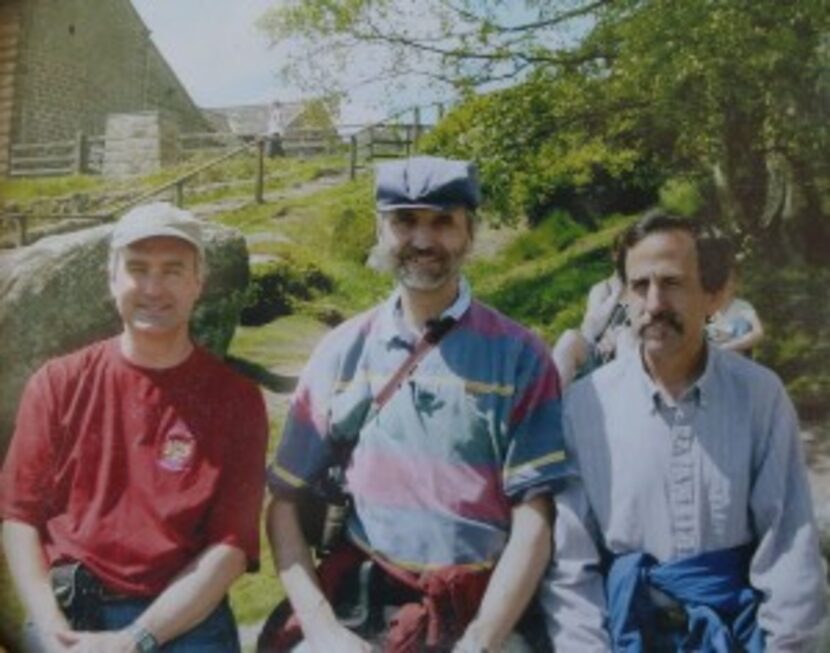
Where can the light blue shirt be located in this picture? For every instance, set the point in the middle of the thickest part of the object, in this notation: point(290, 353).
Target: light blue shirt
point(721, 467)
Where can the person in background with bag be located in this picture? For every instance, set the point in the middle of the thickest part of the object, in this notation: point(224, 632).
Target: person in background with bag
point(444, 417)
point(134, 480)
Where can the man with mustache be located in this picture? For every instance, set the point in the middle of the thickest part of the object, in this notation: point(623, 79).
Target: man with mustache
point(132, 490)
point(449, 416)
point(691, 527)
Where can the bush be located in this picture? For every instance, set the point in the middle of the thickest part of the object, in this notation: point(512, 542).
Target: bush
point(796, 322)
point(533, 161)
point(276, 286)
point(553, 234)
point(681, 196)
point(553, 298)
point(353, 234)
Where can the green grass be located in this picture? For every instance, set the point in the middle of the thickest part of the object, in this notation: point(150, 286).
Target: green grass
point(546, 292)
point(283, 344)
point(11, 612)
point(27, 189)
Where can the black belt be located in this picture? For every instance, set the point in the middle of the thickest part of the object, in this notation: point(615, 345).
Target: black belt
point(80, 594)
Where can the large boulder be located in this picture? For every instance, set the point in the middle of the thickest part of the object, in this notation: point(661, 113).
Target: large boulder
point(54, 298)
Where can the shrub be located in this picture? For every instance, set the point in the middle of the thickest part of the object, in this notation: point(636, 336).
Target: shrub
point(797, 328)
point(553, 234)
point(276, 286)
point(681, 196)
point(533, 160)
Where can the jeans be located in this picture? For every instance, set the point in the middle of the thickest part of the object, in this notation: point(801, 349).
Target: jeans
point(216, 633)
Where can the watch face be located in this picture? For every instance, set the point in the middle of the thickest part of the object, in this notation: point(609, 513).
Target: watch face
point(145, 642)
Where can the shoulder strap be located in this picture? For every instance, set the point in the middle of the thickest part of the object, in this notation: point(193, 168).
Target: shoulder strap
point(436, 330)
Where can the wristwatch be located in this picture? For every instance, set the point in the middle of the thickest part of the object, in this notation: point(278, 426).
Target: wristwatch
point(144, 640)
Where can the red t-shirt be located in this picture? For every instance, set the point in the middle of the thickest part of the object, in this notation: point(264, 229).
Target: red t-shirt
point(135, 471)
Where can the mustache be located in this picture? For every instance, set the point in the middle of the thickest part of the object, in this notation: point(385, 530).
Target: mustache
point(667, 318)
point(409, 252)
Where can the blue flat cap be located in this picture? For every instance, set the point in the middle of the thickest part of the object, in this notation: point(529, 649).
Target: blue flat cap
point(426, 182)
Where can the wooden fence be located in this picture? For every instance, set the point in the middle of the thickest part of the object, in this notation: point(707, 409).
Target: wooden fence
point(21, 221)
point(85, 154)
point(297, 142)
point(80, 155)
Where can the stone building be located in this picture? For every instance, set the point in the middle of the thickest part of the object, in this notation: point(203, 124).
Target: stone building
point(66, 64)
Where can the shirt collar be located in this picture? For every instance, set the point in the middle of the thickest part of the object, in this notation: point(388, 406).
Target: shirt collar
point(696, 393)
point(393, 329)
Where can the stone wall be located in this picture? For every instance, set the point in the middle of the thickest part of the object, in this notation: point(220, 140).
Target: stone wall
point(140, 143)
point(9, 41)
point(81, 60)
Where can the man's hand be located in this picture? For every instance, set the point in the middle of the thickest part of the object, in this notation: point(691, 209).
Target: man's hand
point(472, 642)
point(336, 638)
point(55, 638)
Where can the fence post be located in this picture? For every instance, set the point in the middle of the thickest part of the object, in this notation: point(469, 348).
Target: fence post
point(353, 157)
point(417, 130)
point(409, 140)
point(259, 186)
point(178, 200)
point(22, 234)
point(371, 143)
point(79, 163)
point(440, 111)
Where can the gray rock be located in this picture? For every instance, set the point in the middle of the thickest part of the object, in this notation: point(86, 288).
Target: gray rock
point(54, 298)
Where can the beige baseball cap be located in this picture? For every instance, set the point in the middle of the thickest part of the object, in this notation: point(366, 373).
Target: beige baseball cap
point(157, 219)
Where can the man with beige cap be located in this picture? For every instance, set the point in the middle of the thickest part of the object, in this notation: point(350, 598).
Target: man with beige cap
point(131, 493)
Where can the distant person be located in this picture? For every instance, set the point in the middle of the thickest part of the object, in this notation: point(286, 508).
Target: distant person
point(445, 416)
point(736, 325)
point(132, 490)
point(273, 136)
point(690, 526)
point(605, 332)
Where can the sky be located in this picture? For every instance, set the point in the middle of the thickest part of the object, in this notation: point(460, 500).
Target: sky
point(223, 59)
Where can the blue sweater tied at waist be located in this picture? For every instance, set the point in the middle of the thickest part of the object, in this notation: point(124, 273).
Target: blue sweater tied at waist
point(710, 591)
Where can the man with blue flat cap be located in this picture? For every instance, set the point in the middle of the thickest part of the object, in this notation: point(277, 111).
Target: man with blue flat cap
point(443, 416)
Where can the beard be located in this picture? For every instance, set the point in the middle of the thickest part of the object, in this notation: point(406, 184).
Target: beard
point(417, 269)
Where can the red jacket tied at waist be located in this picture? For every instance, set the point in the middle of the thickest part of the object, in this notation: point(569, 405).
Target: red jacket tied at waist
point(448, 599)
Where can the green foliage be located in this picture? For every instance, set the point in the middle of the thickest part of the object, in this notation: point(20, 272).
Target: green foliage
point(538, 300)
point(277, 286)
point(213, 325)
point(547, 292)
point(556, 232)
point(796, 319)
point(681, 196)
point(533, 159)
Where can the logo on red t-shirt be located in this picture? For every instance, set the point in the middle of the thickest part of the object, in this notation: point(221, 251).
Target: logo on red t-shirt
point(177, 450)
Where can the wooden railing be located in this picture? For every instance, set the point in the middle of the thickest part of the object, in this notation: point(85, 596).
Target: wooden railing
point(21, 220)
point(383, 140)
point(297, 142)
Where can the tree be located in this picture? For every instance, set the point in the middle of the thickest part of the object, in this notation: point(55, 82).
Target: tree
point(735, 91)
point(460, 44)
point(734, 88)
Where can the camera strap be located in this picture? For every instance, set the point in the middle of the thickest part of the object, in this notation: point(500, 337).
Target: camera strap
point(435, 332)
